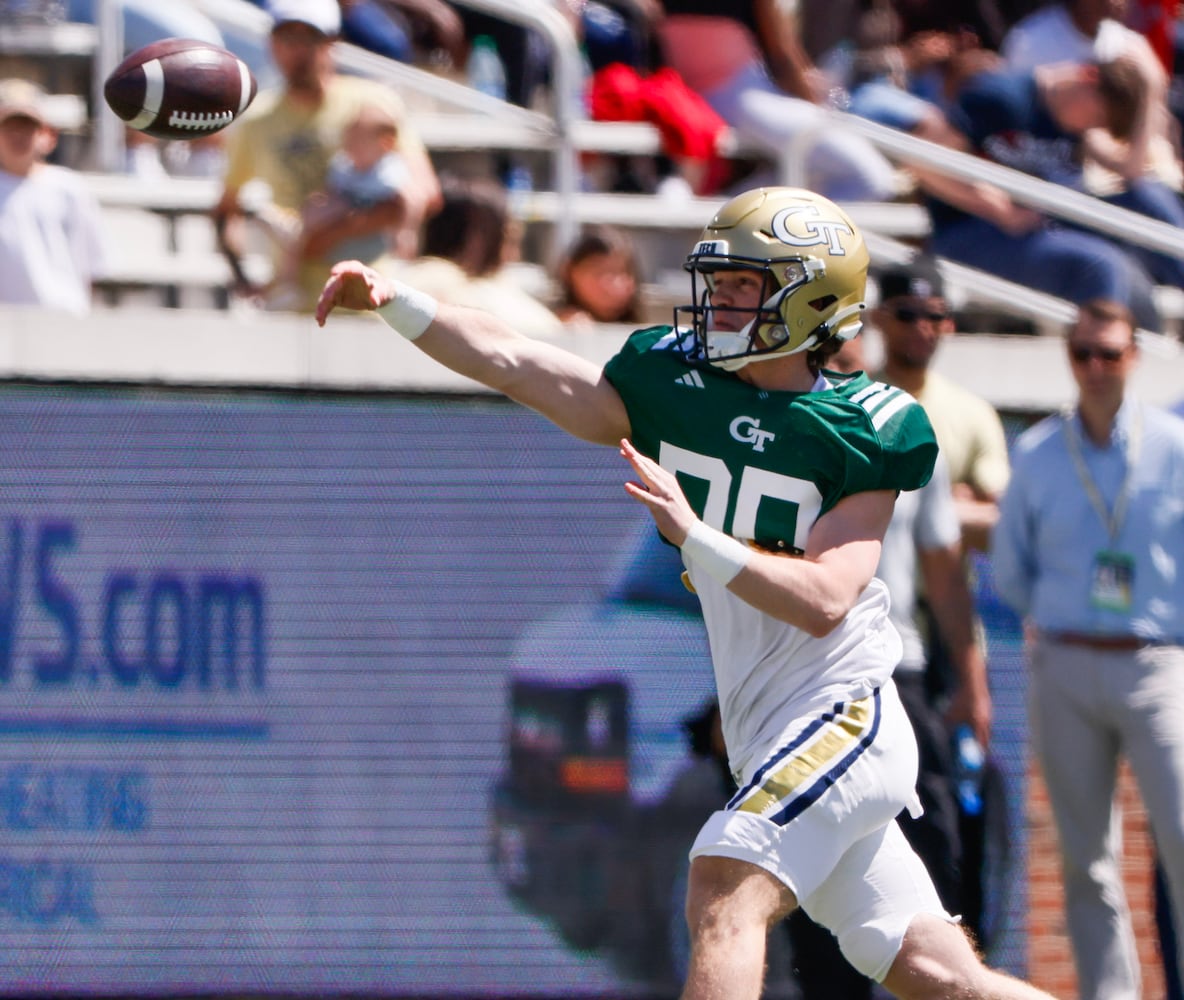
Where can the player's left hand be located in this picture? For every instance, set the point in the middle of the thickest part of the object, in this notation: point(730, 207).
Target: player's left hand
point(353, 285)
point(660, 493)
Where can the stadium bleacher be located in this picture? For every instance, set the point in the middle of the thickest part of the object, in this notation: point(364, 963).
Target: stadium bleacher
point(165, 252)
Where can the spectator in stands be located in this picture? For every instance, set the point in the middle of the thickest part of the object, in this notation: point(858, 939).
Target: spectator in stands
point(1070, 31)
point(823, 25)
point(608, 31)
point(1157, 21)
point(466, 246)
point(941, 61)
point(600, 279)
point(914, 317)
point(434, 27)
point(367, 177)
point(747, 61)
point(987, 20)
point(372, 27)
point(1087, 551)
point(288, 137)
point(407, 30)
point(523, 53)
point(620, 31)
point(1085, 31)
point(1176, 77)
point(878, 72)
point(1035, 122)
point(50, 237)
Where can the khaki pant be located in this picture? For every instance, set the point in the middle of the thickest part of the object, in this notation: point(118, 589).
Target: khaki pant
point(1088, 708)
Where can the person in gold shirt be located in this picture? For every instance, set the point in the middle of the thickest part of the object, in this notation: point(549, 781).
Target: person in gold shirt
point(289, 136)
point(913, 317)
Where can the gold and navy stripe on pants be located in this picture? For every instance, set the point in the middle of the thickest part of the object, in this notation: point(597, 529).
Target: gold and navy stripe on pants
point(799, 773)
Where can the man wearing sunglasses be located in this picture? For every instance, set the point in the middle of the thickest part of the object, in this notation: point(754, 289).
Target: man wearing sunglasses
point(913, 316)
point(1088, 549)
point(948, 688)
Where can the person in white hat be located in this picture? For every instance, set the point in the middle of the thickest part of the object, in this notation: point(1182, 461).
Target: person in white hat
point(323, 15)
point(50, 242)
point(290, 134)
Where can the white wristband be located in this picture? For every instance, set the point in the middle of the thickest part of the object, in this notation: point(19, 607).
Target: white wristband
point(410, 312)
point(720, 556)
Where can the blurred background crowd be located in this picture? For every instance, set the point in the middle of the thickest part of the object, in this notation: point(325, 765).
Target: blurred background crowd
point(1082, 94)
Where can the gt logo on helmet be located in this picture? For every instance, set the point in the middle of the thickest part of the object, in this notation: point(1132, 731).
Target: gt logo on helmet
point(811, 231)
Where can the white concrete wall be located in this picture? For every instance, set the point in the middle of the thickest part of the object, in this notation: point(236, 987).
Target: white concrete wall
point(194, 347)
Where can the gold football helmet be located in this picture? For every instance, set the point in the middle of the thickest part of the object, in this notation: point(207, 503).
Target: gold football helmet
point(814, 265)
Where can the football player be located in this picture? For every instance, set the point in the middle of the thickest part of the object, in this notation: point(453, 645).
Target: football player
point(776, 479)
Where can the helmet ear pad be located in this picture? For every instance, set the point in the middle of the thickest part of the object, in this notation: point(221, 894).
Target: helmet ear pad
point(815, 264)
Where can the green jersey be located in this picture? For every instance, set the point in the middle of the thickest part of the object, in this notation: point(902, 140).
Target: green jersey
point(763, 466)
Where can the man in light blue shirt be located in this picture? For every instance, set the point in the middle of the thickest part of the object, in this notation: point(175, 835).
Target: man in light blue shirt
point(1090, 549)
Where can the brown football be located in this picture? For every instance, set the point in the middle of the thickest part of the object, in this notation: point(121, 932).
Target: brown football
point(180, 88)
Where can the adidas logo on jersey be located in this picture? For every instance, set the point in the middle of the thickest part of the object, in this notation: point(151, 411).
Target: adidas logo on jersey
point(882, 402)
point(692, 379)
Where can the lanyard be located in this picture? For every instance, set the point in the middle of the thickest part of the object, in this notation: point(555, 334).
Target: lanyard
point(1111, 518)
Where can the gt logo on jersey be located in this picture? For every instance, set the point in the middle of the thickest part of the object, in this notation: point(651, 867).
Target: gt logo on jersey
point(799, 226)
point(748, 431)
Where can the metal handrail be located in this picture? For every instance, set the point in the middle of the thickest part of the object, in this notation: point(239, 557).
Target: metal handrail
point(978, 286)
point(1053, 199)
point(109, 145)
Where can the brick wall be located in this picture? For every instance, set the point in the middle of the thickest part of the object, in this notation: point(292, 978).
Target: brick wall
point(1050, 961)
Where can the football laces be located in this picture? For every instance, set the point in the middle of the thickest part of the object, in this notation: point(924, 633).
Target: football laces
point(198, 122)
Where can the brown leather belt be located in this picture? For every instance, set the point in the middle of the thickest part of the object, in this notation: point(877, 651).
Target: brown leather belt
point(1106, 643)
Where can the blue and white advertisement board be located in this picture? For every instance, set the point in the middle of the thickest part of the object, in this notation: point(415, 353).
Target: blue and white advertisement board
point(287, 683)
point(254, 661)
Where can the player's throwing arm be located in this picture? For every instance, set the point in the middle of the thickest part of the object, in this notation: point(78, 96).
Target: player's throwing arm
point(567, 389)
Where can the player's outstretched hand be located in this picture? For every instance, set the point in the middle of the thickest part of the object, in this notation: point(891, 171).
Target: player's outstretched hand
point(353, 285)
point(660, 493)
